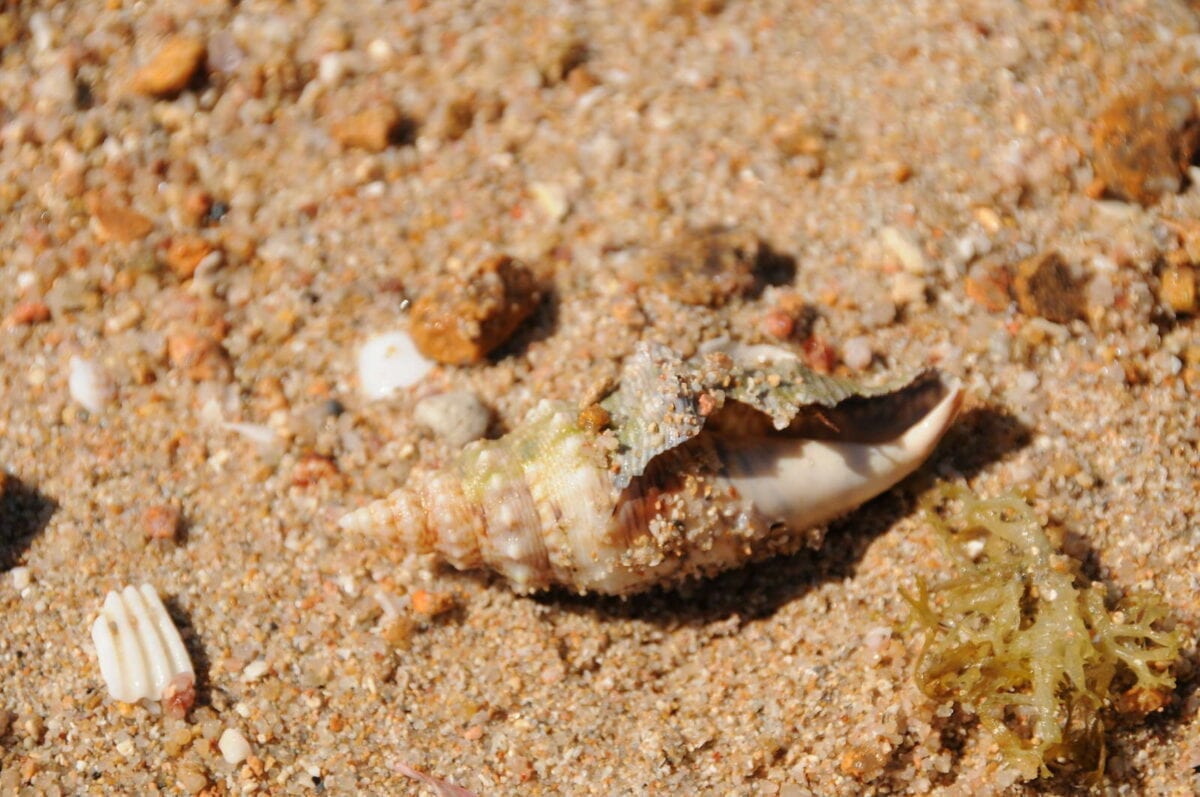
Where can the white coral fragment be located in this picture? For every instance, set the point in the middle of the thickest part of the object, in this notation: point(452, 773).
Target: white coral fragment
point(141, 653)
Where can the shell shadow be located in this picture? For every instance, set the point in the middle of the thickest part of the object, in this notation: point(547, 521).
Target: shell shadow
point(540, 325)
point(24, 514)
point(981, 436)
point(191, 641)
point(756, 590)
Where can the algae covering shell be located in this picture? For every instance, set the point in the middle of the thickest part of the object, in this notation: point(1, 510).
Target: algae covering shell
point(706, 463)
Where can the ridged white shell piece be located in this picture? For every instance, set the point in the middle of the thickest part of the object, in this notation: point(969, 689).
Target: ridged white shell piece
point(139, 648)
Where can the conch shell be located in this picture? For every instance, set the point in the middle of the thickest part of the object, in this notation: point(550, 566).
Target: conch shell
point(736, 454)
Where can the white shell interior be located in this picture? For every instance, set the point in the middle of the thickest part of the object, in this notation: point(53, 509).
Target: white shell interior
point(809, 482)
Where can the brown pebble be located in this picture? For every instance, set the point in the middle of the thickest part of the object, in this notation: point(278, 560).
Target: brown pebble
point(557, 54)
point(1045, 287)
point(862, 763)
point(708, 8)
point(196, 206)
point(1177, 289)
point(160, 522)
point(171, 68)
point(465, 317)
point(706, 267)
point(452, 119)
point(1140, 701)
point(431, 604)
point(28, 312)
point(581, 80)
point(116, 222)
point(184, 254)
point(594, 418)
point(179, 695)
point(1145, 141)
point(819, 355)
point(778, 324)
point(989, 287)
point(796, 137)
point(192, 778)
point(198, 355)
point(314, 468)
point(372, 129)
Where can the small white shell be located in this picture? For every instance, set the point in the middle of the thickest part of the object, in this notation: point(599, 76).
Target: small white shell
point(141, 653)
point(388, 362)
point(89, 384)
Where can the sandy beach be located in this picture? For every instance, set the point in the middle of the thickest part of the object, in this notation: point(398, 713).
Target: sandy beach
point(207, 208)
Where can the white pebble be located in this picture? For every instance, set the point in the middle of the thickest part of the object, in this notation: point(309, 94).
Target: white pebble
point(262, 436)
point(551, 198)
point(140, 651)
point(388, 362)
point(907, 289)
point(857, 354)
point(458, 417)
point(21, 578)
point(42, 31)
point(255, 670)
point(974, 548)
point(233, 745)
point(89, 384)
point(1026, 381)
point(332, 68)
point(904, 249)
point(876, 638)
point(380, 50)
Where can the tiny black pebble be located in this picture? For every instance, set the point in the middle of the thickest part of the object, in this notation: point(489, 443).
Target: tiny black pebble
point(217, 211)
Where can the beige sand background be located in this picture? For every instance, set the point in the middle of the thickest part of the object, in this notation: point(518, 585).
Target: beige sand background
point(220, 236)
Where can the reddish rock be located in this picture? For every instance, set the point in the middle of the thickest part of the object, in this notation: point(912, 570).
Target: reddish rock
point(184, 254)
point(160, 522)
point(27, 313)
point(198, 355)
point(1145, 141)
point(314, 468)
point(465, 317)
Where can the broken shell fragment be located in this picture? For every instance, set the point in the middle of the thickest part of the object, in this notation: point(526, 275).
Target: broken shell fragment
point(388, 362)
point(702, 465)
point(140, 651)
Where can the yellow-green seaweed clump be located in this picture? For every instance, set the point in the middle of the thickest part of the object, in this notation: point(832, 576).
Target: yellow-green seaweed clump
point(1022, 639)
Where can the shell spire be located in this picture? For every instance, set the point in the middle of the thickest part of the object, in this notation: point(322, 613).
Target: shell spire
point(738, 453)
